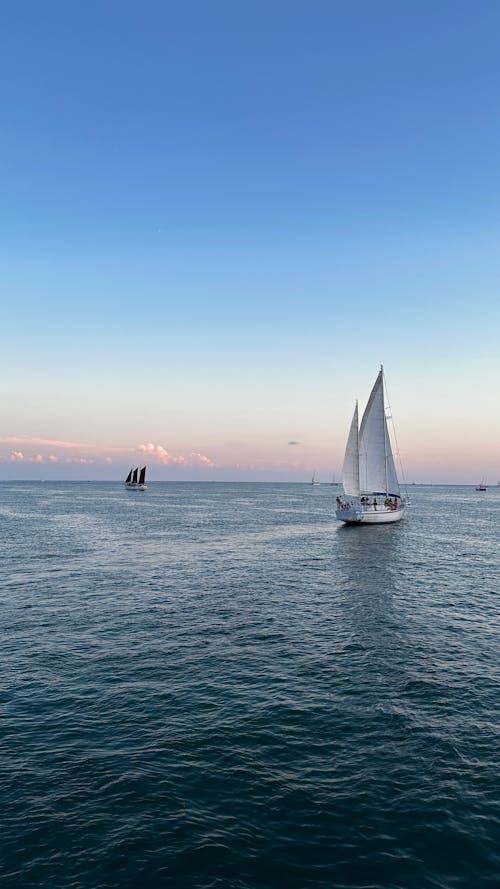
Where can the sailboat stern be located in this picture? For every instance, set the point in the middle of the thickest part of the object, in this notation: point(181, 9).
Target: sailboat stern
point(383, 516)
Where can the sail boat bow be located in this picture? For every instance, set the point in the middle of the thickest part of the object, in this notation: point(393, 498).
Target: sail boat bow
point(371, 488)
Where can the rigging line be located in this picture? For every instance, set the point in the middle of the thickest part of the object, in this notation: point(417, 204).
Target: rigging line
point(400, 462)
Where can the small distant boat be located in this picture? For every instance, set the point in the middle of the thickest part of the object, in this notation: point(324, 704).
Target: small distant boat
point(333, 483)
point(135, 480)
point(482, 485)
point(371, 487)
point(313, 480)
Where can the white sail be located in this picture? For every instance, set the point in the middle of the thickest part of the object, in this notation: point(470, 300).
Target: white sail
point(377, 472)
point(350, 469)
point(392, 478)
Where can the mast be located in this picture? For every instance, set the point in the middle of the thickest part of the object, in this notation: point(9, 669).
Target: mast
point(385, 431)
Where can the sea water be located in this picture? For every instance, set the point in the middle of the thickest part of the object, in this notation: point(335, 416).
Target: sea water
point(217, 685)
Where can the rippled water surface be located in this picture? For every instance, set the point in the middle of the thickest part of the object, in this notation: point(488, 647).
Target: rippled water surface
point(210, 685)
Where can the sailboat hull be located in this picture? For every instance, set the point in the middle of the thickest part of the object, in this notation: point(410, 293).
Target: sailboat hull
point(358, 515)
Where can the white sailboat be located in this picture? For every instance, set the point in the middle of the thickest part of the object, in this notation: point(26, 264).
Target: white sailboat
point(313, 480)
point(482, 485)
point(371, 488)
point(135, 480)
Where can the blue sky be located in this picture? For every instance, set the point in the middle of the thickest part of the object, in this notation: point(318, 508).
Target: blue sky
point(217, 220)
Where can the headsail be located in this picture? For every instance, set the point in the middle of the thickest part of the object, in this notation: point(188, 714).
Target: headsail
point(376, 463)
point(350, 469)
point(129, 476)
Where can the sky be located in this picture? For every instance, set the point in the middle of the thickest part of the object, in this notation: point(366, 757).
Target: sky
point(218, 219)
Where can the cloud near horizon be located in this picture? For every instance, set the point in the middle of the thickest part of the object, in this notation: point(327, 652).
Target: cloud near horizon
point(52, 452)
point(50, 445)
point(161, 455)
point(21, 457)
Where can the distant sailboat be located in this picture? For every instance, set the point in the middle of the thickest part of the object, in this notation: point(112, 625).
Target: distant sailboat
point(482, 485)
point(135, 480)
point(369, 479)
point(333, 483)
point(313, 480)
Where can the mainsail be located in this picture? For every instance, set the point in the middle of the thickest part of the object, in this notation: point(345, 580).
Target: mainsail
point(376, 463)
point(134, 475)
point(129, 477)
point(142, 475)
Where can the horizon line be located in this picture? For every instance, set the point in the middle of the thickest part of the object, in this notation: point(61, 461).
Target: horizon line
point(104, 481)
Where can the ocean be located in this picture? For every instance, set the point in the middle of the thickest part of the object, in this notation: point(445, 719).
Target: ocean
point(218, 686)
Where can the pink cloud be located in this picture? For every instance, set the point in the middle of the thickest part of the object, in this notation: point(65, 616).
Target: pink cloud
point(200, 458)
point(161, 455)
point(36, 458)
point(16, 456)
point(42, 442)
point(157, 452)
point(53, 458)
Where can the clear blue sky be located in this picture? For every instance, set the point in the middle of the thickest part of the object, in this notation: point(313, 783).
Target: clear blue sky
point(217, 219)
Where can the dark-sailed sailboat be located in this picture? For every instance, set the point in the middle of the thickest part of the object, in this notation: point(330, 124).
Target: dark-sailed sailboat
point(135, 480)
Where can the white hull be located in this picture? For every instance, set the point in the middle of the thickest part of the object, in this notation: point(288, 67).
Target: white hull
point(368, 515)
point(130, 487)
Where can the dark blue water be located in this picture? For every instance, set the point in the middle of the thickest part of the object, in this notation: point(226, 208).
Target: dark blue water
point(220, 686)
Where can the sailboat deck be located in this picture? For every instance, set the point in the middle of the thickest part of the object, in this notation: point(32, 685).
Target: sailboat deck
point(369, 513)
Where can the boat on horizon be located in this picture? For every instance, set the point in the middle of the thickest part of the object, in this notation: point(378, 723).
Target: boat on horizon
point(482, 485)
point(135, 480)
point(371, 488)
point(313, 480)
